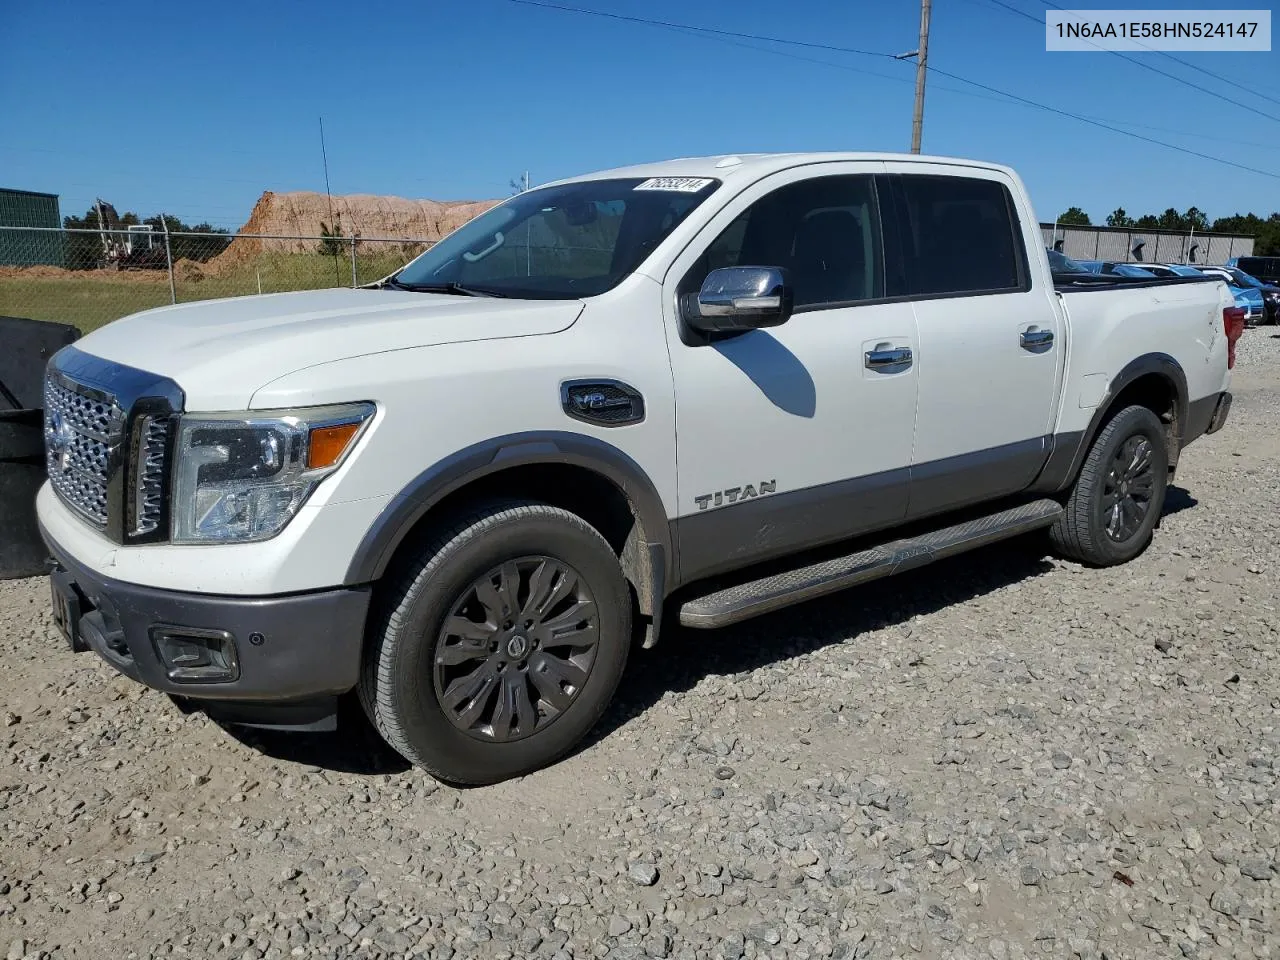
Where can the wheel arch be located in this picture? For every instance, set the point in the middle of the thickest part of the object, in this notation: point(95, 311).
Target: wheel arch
point(1155, 381)
point(582, 474)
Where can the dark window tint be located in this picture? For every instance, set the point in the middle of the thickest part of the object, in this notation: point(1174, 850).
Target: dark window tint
point(1264, 268)
point(954, 235)
point(825, 231)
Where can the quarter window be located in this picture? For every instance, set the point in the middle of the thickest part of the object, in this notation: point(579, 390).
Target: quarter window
point(825, 231)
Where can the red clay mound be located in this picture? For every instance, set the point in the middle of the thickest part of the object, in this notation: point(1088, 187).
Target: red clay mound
point(301, 213)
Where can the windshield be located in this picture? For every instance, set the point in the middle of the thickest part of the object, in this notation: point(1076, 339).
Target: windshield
point(561, 242)
point(1243, 279)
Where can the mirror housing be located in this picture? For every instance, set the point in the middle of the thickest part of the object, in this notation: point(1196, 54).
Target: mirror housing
point(738, 299)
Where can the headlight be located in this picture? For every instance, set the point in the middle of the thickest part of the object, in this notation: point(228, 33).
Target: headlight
point(242, 477)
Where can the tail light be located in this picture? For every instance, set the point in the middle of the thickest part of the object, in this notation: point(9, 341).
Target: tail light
point(1233, 325)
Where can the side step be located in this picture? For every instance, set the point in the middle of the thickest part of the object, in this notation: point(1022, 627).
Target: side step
point(747, 600)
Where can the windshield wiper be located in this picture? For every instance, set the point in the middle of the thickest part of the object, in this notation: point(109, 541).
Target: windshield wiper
point(455, 289)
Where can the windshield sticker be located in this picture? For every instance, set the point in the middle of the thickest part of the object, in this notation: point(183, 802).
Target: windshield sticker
point(676, 184)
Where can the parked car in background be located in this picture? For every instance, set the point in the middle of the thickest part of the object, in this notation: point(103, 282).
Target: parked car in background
point(1160, 269)
point(1061, 263)
point(1266, 269)
point(1270, 292)
point(1115, 268)
point(1178, 269)
point(1251, 301)
point(1247, 298)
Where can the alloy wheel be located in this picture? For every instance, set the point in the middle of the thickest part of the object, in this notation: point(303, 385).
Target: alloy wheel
point(516, 649)
point(1128, 488)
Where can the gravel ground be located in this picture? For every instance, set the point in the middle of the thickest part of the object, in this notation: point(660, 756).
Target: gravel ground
point(1000, 756)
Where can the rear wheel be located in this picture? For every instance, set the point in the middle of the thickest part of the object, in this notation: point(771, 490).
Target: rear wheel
point(500, 645)
point(1119, 494)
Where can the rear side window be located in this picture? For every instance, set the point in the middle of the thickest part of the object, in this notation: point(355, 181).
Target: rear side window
point(825, 231)
point(952, 235)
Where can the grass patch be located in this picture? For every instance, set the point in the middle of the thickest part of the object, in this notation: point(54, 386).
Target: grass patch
point(91, 298)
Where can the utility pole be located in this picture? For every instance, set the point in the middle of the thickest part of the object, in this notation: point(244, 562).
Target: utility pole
point(922, 67)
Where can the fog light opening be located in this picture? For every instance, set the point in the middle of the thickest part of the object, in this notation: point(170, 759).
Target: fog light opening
point(195, 655)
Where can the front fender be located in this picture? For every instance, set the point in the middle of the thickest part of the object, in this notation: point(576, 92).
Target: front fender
point(502, 453)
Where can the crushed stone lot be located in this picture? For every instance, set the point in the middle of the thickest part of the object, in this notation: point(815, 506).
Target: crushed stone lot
point(1000, 756)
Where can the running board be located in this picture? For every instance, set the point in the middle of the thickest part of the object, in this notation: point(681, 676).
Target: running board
point(747, 600)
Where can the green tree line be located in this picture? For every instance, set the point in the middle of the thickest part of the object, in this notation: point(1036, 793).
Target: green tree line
point(1266, 231)
point(85, 251)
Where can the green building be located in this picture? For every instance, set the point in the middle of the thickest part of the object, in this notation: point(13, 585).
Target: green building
point(29, 248)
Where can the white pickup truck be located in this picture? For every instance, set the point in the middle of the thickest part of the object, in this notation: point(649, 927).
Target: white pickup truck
point(697, 391)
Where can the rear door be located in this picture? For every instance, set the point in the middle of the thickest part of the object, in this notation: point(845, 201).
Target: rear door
point(990, 338)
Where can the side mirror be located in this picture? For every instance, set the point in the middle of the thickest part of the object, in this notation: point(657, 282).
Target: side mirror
point(737, 299)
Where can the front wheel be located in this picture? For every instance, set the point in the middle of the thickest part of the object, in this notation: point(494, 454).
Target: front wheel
point(500, 645)
point(1119, 494)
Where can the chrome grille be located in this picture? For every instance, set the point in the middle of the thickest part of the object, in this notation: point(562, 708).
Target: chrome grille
point(149, 490)
point(83, 428)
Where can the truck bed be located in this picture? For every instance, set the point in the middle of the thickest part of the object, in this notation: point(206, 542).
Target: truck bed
point(1077, 282)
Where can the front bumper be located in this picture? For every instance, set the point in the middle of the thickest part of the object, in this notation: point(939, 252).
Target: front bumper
point(292, 655)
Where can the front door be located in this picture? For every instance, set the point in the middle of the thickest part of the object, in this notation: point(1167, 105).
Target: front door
point(800, 434)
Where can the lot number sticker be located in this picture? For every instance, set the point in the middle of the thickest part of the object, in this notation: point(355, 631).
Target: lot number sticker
point(676, 184)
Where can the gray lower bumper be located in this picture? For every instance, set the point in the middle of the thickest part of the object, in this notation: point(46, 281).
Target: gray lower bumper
point(1206, 415)
point(288, 649)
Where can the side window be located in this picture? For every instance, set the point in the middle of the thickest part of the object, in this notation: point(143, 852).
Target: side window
point(824, 231)
point(953, 235)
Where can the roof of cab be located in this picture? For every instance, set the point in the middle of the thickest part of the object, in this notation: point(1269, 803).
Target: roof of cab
point(724, 166)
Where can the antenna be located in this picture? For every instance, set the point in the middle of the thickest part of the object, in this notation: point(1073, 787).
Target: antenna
point(336, 229)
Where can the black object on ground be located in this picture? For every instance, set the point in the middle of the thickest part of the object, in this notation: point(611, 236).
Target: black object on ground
point(25, 349)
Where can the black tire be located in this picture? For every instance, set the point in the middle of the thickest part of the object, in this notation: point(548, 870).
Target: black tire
point(401, 686)
point(1082, 532)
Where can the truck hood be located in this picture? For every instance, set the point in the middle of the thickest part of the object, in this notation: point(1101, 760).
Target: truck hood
point(221, 351)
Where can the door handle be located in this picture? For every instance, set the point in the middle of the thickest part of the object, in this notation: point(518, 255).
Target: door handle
point(1029, 339)
point(898, 356)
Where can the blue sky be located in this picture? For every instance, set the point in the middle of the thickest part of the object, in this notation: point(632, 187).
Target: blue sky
point(196, 108)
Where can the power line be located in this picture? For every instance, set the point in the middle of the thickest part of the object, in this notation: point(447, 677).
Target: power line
point(685, 26)
point(774, 51)
point(1107, 126)
point(707, 33)
point(1146, 66)
point(1199, 136)
point(1190, 66)
point(982, 86)
point(726, 37)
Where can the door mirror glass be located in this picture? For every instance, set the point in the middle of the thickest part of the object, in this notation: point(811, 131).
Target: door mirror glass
point(737, 299)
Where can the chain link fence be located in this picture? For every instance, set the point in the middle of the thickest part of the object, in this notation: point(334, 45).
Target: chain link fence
point(91, 277)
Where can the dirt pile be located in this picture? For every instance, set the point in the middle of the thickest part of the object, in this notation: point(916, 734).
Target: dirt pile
point(301, 214)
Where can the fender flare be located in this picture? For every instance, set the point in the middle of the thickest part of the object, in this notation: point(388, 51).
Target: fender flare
point(430, 487)
point(1067, 458)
